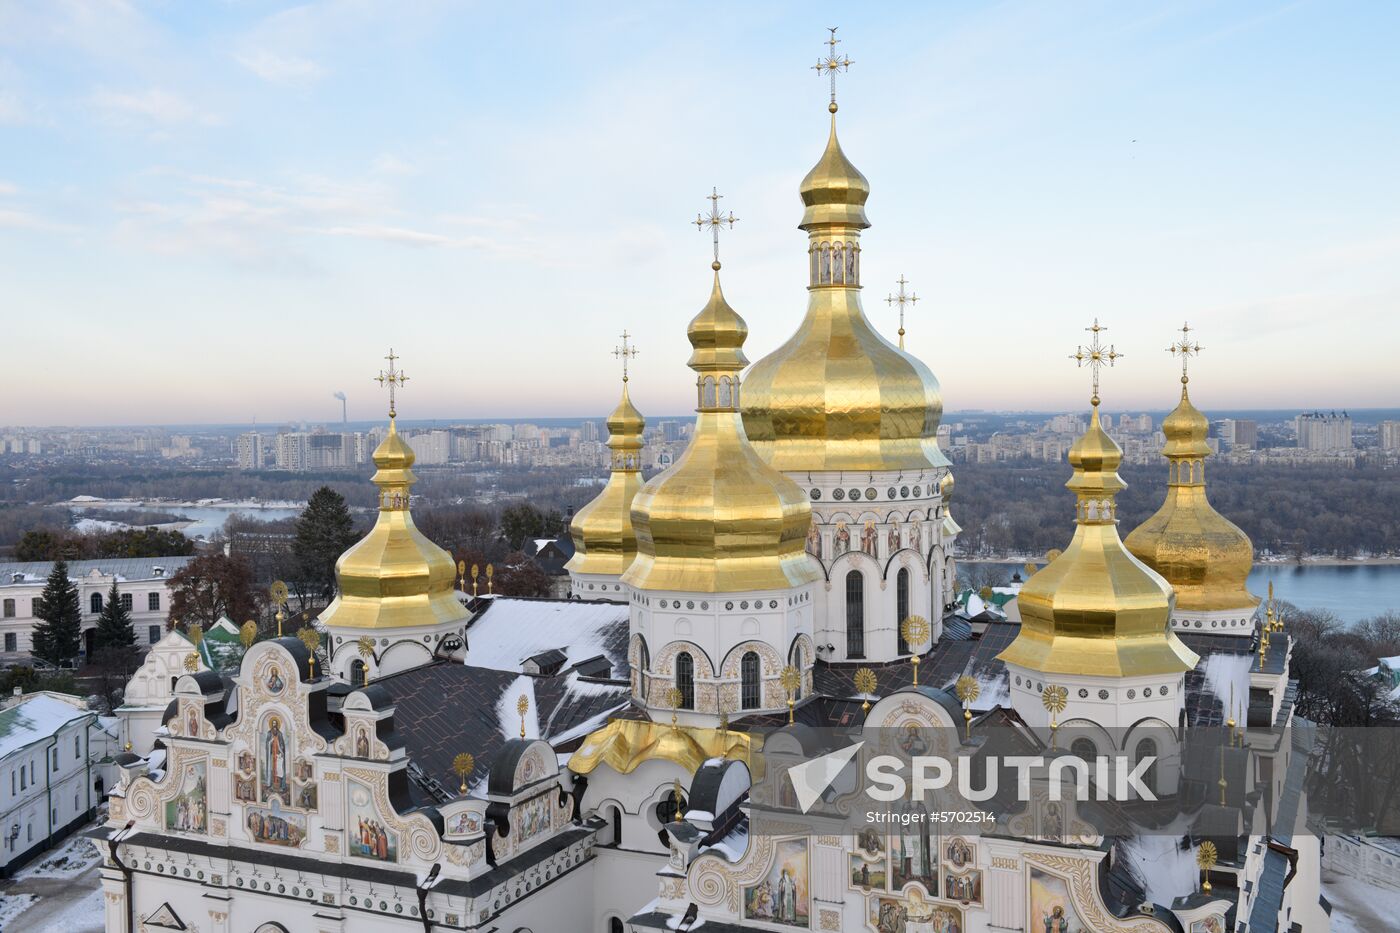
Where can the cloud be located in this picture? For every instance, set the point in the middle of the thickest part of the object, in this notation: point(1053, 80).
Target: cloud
point(154, 105)
point(281, 69)
point(390, 164)
point(12, 111)
point(393, 235)
point(22, 220)
point(7, 189)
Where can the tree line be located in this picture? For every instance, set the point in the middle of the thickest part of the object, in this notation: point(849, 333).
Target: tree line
point(1023, 508)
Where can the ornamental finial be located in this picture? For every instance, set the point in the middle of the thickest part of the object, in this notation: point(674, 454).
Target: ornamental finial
point(1095, 355)
point(714, 221)
point(625, 352)
point(393, 378)
point(1184, 348)
point(901, 300)
point(832, 64)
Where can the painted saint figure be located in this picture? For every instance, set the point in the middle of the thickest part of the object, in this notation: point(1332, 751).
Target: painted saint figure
point(274, 760)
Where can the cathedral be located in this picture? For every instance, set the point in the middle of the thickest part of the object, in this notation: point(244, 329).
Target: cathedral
point(431, 759)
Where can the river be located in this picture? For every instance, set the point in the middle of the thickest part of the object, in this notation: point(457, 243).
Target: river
point(1352, 591)
point(206, 518)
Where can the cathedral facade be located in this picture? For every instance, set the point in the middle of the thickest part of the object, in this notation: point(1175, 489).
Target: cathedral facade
point(439, 761)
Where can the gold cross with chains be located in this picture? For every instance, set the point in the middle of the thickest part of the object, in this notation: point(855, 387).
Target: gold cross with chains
point(715, 221)
point(1185, 349)
point(902, 299)
point(625, 352)
point(392, 378)
point(831, 64)
point(1095, 355)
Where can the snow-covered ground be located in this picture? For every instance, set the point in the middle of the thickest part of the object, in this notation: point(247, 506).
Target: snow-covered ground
point(1358, 907)
point(85, 913)
point(11, 906)
point(69, 860)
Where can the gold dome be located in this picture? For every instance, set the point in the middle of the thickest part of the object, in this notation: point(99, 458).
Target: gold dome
point(834, 191)
point(604, 541)
point(1096, 609)
point(838, 395)
point(719, 520)
point(1202, 554)
point(394, 577)
point(945, 491)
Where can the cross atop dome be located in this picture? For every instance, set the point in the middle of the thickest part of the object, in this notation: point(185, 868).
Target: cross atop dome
point(901, 300)
point(832, 64)
point(393, 378)
point(1095, 355)
point(625, 352)
point(714, 221)
point(1185, 349)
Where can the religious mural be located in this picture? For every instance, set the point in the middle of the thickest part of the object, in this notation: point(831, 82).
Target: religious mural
point(843, 539)
point(966, 887)
point(913, 854)
point(276, 751)
point(913, 914)
point(274, 682)
point(1208, 925)
point(361, 742)
point(867, 874)
point(530, 818)
point(958, 852)
point(369, 837)
point(870, 540)
point(466, 823)
point(188, 811)
point(275, 826)
point(781, 895)
point(304, 779)
point(1051, 909)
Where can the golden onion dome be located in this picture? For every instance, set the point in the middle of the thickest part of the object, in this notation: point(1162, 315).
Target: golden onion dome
point(604, 540)
point(838, 395)
point(945, 491)
point(945, 487)
point(834, 191)
point(394, 577)
point(1202, 554)
point(720, 519)
point(1096, 609)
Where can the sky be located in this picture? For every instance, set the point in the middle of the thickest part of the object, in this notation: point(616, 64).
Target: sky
point(228, 211)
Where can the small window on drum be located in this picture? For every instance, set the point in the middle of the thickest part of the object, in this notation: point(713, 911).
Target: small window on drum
point(748, 677)
point(1084, 750)
point(685, 679)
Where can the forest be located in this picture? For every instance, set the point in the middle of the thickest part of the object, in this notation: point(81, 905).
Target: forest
point(1295, 511)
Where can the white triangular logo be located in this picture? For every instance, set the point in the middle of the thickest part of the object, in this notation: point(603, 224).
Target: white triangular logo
point(810, 780)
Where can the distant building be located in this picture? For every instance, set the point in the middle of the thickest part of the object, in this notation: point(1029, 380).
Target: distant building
point(250, 451)
point(1390, 435)
point(1324, 431)
point(143, 582)
point(1238, 432)
point(433, 448)
point(49, 743)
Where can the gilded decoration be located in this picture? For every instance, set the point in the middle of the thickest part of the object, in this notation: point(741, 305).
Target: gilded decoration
point(625, 744)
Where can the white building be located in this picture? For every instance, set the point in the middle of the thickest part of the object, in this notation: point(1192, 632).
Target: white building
point(250, 451)
point(1324, 431)
point(1390, 435)
point(142, 582)
point(151, 688)
point(49, 743)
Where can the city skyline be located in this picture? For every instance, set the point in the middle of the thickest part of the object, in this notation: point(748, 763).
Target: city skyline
point(235, 215)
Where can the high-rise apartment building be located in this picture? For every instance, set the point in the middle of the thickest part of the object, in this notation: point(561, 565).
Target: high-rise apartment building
point(249, 451)
point(1324, 431)
point(1390, 435)
point(1239, 432)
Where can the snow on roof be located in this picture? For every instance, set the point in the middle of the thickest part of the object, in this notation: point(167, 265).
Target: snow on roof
point(1158, 861)
point(1391, 663)
point(1226, 676)
point(509, 630)
point(125, 568)
point(585, 727)
point(36, 718)
point(508, 712)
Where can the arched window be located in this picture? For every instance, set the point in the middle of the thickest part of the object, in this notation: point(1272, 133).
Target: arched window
point(850, 264)
point(901, 590)
point(685, 679)
point(96, 602)
point(1147, 749)
point(615, 926)
point(357, 673)
point(643, 668)
point(748, 680)
point(1084, 750)
point(616, 825)
point(826, 263)
point(707, 392)
point(855, 615)
point(725, 398)
point(837, 265)
point(815, 251)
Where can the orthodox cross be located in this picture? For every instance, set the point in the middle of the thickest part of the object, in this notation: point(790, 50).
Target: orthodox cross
point(392, 378)
point(625, 352)
point(901, 300)
point(1095, 355)
point(832, 64)
point(715, 221)
point(1185, 349)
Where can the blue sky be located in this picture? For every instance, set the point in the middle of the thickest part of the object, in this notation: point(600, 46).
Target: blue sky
point(228, 210)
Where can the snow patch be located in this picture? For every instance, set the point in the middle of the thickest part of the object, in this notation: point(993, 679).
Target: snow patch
point(1162, 865)
point(70, 860)
point(1227, 675)
point(508, 715)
